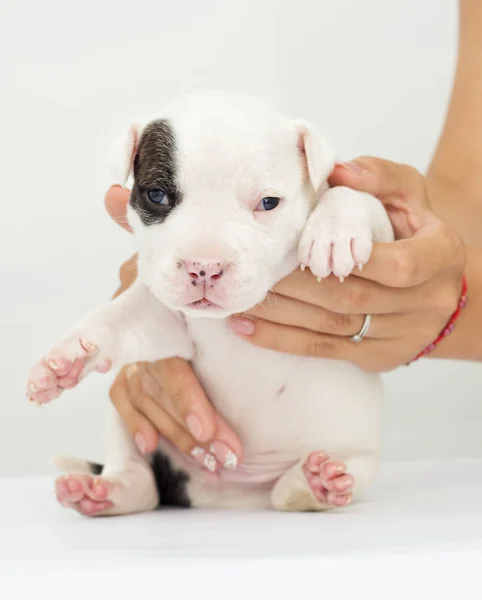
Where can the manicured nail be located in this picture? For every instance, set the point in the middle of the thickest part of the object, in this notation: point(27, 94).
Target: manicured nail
point(225, 455)
point(242, 326)
point(197, 451)
point(360, 266)
point(302, 267)
point(210, 463)
point(205, 460)
point(342, 279)
point(33, 387)
point(195, 427)
point(141, 443)
point(352, 167)
point(52, 365)
point(318, 279)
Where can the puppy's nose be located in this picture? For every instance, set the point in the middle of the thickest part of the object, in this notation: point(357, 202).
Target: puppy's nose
point(200, 271)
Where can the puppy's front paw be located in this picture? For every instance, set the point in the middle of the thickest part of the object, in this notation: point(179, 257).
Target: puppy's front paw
point(338, 235)
point(82, 351)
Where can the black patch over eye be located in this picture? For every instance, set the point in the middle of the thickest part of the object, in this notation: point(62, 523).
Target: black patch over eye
point(155, 192)
point(157, 196)
point(268, 203)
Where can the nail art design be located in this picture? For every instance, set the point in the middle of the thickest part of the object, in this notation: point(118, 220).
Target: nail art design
point(210, 462)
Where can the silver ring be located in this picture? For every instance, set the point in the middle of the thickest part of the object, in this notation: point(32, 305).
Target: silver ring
point(358, 337)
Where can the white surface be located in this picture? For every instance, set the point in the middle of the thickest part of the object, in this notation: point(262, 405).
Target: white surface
point(373, 74)
point(423, 519)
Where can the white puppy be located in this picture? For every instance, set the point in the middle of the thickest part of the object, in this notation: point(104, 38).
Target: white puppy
point(228, 198)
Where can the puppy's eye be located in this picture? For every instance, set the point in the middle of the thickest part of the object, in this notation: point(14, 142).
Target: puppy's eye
point(158, 197)
point(268, 203)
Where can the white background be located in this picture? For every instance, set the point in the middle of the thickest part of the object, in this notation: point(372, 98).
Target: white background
point(374, 75)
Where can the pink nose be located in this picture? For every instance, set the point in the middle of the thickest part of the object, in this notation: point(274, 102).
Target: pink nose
point(207, 272)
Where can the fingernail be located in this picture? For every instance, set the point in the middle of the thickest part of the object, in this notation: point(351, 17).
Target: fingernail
point(242, 326)
point(224, 454)
point(210, 463)
point(141, 443)
point(52, 365)
point(205, 460)
point(33, 387)
point(197, 451)
point(195, 427)
point(352, 167)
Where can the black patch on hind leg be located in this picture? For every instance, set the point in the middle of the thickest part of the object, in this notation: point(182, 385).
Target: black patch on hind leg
point(96, 468)
point(171, 482)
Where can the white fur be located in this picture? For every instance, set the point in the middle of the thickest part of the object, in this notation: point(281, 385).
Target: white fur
point(232, 152)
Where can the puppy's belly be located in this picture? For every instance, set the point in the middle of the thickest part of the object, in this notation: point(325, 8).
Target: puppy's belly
point(283, 406)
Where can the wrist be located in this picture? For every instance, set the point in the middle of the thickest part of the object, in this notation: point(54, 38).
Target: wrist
point(464, 342)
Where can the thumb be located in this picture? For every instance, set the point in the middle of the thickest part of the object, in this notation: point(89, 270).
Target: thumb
point(115, 202)
point(381, 178)
point(433, 249)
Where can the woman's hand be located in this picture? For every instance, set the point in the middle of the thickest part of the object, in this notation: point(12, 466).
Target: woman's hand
point(165, 398)
point(410, 287)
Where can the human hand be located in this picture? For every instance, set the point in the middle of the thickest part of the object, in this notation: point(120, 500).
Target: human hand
point(165, 398)
point(411, 287)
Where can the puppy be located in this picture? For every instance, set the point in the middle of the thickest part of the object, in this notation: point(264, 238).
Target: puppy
point(228, 197)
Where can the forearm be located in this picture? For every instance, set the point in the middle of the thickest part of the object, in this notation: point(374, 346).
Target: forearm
point(465, 342)
point(455, 173)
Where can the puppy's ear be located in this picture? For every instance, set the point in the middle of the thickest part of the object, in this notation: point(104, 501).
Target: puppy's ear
point(123, 151)
point(317, 154)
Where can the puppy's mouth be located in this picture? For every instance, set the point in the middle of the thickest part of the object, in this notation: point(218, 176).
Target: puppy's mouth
point(203, 303)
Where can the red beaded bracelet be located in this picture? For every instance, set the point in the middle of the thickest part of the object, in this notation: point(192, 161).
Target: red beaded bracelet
point(447, 330)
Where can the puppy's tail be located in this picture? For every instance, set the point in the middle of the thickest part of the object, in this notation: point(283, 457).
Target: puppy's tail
point(67, 464)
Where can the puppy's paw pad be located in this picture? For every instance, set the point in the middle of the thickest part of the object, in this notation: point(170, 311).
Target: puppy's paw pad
point(64, 366)
point(328, 480)
point(85, 494)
